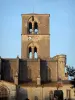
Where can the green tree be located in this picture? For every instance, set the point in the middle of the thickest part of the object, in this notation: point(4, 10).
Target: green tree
point(71, 72)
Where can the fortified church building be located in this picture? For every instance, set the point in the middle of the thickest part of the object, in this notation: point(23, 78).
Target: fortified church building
point(35, 74)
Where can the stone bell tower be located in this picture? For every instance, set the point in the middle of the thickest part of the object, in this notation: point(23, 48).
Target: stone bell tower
point(35, 36)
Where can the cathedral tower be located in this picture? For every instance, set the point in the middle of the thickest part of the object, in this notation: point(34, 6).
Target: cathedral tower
point(35, 36)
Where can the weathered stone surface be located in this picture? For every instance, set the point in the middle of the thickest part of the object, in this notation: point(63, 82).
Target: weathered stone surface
point(41, 70)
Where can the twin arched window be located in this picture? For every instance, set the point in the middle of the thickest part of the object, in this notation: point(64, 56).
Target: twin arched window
point(34, 29)
point(34, 54)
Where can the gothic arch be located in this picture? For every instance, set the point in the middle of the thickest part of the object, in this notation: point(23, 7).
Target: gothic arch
point(33, 46)
point(30, 19)
point(35, 27)
point(33, 24)
point(35, 52)
point(4, 91)
point(29, 52)
point(35, 19)
point(30, 27)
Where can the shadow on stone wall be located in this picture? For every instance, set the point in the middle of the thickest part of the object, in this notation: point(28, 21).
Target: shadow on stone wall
point(46, 98)
point(36, 98)
point(58, 94)
point(23, 71)
point(6, 72)
point(44, 71)
point(21, 94)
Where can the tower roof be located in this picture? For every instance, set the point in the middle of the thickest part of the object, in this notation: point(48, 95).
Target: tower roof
point(35, 14)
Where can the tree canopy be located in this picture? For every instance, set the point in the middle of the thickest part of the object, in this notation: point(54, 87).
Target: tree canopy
point(71, 72)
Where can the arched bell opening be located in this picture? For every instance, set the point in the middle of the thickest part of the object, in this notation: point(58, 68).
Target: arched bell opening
point(29, 27)
point(35, 53)
point(30, 53)
point(35, 27)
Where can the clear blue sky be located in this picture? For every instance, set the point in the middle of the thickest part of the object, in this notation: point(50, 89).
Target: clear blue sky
point(62, 26)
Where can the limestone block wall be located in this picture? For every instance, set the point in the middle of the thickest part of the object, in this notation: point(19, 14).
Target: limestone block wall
point(41, 19)
point(43, 93)
point(23, 70)
point(61, 66)
point(12, 89)
point(35, 92)
point(41, 42)
point(43, 71)
point(26, 43)
point(52, 65)
point(13, 68)
point(34, 66)
point(44, 46)
point(68, 87)
point(8, 69)
point(42, 39)
point(29, 69)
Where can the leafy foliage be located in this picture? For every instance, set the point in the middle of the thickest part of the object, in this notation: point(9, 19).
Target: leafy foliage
point(71, 72)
